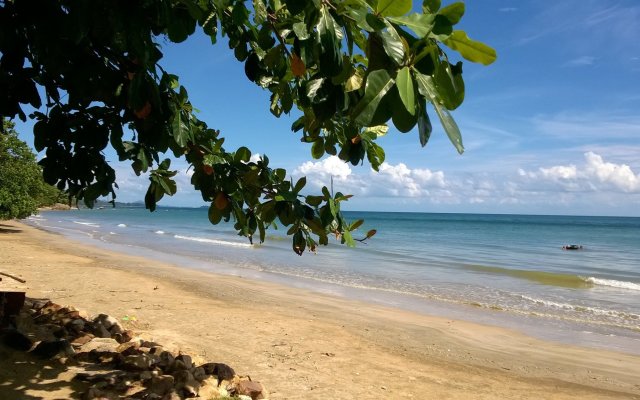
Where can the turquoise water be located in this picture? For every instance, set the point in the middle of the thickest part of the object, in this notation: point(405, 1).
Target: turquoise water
point(507, 270)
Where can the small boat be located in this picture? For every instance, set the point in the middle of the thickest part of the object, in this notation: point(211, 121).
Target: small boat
point(572, 247)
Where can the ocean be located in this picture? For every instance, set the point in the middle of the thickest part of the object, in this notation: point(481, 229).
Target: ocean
point(503, 270)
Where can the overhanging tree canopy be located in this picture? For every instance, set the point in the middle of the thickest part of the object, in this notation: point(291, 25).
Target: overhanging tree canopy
point(92, 69)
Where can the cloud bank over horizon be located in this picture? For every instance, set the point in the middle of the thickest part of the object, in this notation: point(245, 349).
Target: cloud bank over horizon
point(594, 181)
point(594, 185)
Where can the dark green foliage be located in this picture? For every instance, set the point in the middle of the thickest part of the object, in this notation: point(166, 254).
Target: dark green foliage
point(349, 66)
point(22, 189)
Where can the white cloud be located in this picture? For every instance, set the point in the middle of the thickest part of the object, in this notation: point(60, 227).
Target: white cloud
point(595, 175)
point(391, 181)
point(507, 9)
point(320, 172)
point(559, 172)
point(132, 188)
point(594, 185)
point(619, 176)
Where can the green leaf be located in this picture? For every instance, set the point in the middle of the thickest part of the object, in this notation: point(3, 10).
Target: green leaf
point(442, 28)
point(243, 154)
point(427, 88)
point(375, 22)
point(421, 24)
point(401, 118)
point(300, 184)
point(377, 131)
point(260, 12)
point(450, 127)
point(181, 25)
point(359, 14)
point(450, 86)
point(215, 215)
point(378, 84)
point(424, 125)
point(261, 230)
point(298, 243)
point(453, 12)
point(330, 34)
point(180, 130)
point(354, 82)
point(152, 197)
point(470, 49)
point(431, 6)
point(348, 239)
point(393, 8)
point(317, 149)
point(392, 43)
point(314, 200)
point(295, 6)
point(404, 82)
point(300, 29)
point(168, 185)
point(356, 225)
point(313, 89)
point(375, 155)
point(195, 11)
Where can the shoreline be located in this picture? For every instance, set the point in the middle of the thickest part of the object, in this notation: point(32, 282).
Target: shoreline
point(544, 324)
point(304, 344)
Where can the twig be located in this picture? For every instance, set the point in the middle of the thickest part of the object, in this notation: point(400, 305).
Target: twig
point(13, 277)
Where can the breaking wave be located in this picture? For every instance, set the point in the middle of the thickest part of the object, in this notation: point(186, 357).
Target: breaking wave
point(212, 241)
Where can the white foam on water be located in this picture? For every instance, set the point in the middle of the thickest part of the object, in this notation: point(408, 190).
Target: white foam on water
point(122, 225)
point(583, 309)
point(160, 232)
point(93, 224)
point(212, 241)
point(614, 283)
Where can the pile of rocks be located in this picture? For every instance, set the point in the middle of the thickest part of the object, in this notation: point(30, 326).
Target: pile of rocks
point(123, 364)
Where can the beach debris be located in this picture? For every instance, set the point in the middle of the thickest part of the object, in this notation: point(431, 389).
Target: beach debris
point(572, 247)
point(249, 388)
point(129, 366)
point(222, 371)
point(51, 348)
point(12, 277)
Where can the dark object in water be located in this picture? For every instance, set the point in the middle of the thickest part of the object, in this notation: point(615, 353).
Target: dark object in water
point(572, 247)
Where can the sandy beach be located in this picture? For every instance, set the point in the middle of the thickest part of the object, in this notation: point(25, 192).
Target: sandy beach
point(301, 344)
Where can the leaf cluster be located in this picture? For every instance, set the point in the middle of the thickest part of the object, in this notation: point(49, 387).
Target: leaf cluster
point(348, 66)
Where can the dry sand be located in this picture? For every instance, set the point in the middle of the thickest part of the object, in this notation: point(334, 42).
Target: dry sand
point(299, 344)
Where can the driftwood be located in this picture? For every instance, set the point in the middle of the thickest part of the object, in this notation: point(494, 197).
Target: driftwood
point(13, 277)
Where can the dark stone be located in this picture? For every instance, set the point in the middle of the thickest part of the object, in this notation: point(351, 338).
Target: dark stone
point(186, 360)
point(83, 339)
point(51, 348)
point(123, 337)
point(222, 371)
point(250, 388)
point(60, 333)
point(161, 385)
point(16, 340)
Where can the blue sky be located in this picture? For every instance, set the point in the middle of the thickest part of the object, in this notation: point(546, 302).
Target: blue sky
point(553, 127)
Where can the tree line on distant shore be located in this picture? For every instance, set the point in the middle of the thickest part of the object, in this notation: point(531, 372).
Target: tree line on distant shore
point(22, 188)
